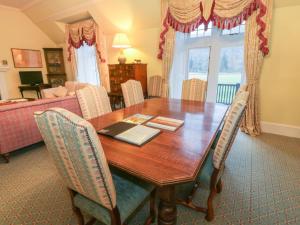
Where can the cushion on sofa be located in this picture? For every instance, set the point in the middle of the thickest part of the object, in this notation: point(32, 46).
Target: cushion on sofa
point(71, 93)
point(48, 94)
point(61, 91)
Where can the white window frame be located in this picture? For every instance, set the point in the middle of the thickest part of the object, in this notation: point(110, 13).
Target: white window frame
point(215, 42)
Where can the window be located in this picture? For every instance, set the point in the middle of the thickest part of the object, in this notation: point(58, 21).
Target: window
point(216, 57)
point(201, 32)
point(87, 67)
point(198, 63)
point(236, 30)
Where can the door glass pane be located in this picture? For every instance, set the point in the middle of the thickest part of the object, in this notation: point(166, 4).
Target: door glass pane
point(201, 32)
point(198, 63)
point(231, 70)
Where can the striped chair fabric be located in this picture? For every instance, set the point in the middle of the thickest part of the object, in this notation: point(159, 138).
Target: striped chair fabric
point(93, 101)
point(194, 89)
point(155, 86)
point(78, 155)
point(132, 92)
point(229, 128)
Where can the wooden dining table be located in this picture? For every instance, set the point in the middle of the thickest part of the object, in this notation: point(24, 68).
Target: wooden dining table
point(171, 158)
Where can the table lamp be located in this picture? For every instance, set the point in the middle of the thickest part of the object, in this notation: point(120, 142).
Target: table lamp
point(121, 41)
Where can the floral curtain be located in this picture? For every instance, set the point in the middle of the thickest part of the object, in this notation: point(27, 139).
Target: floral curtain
point(186, 16)
point(87, 31)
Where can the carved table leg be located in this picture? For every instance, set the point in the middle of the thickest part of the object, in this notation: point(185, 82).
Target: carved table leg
point(167, 212)
point(6, 157)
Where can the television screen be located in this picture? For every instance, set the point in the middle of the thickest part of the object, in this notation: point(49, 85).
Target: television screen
point(31, 77)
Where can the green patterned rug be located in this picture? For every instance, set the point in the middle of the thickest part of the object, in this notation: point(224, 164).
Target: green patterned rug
point(261, 186)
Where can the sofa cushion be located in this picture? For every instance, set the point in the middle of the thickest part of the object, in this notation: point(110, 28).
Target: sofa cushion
point(48, 94)
point(72, 93)
point(61, 91)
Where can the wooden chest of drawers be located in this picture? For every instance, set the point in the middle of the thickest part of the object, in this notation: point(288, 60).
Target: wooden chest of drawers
point(120, 73)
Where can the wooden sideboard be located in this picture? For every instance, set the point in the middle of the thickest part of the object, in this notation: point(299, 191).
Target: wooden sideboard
point(120, 73)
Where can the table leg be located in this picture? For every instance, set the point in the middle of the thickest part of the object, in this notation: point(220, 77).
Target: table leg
point(38, 93)
point(167, 212)
point(22, 93)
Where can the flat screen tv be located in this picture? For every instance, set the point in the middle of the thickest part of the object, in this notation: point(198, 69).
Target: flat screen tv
point(31, 77)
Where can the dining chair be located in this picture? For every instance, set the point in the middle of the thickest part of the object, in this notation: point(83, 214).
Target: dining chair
point(132, 92)
point(210, 175)
point(155, 86)
point(93, 101)
point(241, 90)
point(194, 90)
point(78, 155)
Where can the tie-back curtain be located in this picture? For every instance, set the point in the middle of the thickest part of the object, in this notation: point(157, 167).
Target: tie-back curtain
point(88, 32)
point(186, 16)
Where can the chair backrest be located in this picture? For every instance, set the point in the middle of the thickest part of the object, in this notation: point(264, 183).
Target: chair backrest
point(93, 101)
point(78, 155)
point(229, 130)
point(132, 92)
point(194, 89)
point(155, 86)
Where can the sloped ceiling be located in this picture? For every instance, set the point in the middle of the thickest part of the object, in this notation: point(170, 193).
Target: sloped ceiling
point(112, 15)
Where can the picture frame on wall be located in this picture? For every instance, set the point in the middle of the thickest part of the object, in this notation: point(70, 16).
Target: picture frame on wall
point(27, 58)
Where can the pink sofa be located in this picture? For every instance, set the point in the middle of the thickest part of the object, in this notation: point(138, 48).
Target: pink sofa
point(17, 126)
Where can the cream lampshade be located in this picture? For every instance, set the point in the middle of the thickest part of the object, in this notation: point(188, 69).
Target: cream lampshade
point(121, 41)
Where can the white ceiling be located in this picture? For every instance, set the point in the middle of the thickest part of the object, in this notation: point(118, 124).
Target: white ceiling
point(112, 15)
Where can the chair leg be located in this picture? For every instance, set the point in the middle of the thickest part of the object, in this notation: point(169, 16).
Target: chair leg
point(75, 209)
point(78, 215)
point(219, 186)
point(5, 157)
point(115, 217)
point(189, 201)
point(210, 209)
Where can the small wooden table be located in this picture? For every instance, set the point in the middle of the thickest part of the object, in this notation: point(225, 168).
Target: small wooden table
point(172, 157)
point(36, 88)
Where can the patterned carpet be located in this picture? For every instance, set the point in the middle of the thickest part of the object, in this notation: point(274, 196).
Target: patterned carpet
point(261, 186)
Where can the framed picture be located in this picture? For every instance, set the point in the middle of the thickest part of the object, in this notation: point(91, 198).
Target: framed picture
point(27, 58)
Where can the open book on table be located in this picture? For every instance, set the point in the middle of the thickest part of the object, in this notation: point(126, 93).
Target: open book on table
point(130, 133)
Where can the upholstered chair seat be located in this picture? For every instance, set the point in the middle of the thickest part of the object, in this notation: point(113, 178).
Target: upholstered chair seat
point(130, 193)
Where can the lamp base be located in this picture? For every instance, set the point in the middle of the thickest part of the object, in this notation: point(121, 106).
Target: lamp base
point(122, 59)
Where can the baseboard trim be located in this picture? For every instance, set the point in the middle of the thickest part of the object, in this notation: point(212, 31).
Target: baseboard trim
point(280, 129)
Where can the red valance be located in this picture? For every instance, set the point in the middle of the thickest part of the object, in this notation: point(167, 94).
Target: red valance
point(80, 33)
point(218, 21)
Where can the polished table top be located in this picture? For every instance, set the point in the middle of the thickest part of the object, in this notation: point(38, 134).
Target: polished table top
point(171, 157)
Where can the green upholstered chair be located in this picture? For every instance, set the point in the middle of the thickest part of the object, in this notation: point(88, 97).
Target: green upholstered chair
point(210, 175)
point(78, 155)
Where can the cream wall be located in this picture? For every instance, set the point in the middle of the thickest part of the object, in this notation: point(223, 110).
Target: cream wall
point(17, 31)
point(144, 46)
point(280, 78)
